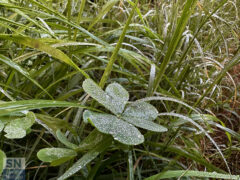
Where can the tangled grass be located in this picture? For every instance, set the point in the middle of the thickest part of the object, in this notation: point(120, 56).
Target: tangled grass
point(180, 56)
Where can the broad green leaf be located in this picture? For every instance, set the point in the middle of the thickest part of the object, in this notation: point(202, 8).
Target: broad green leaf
point(29, 120)
point(113, 99)
point(2, 161)
point(145, 124)
point(14, 132)
point(39, 45)
point(1, 125)
point(141, 114)
point(141, 110)
point(18, 68)
point(117, 92)
point(16, 128)
point(18, 106)
point(186, 173)
point(88, 157)
point(56, 156)
point(63, 139)
point(119, 129)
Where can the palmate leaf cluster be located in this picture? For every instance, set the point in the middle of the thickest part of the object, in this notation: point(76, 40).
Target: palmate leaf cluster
point(120, 126)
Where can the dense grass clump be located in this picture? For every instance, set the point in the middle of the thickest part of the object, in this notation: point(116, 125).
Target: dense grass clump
point(121, 89)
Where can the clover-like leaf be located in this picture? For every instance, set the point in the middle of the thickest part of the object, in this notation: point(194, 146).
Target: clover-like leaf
point(142, 123)
point(56, 156)
point(114, 99)
point(119, 94)
point(141, 114)
point(16, 128)
point(141, 110)
point(119, 129)
point(14, 132)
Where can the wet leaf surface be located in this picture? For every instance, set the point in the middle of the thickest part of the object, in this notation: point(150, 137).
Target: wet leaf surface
point(56, 156)
point(119, 129)
point(113, 99)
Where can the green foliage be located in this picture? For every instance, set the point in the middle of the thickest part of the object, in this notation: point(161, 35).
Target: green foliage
point(2, 161)
point(119, 129)
point(199, 174)
point(178, 62)
point(56, 156)
point(115, 98)
point(17, 128)
point(63, 139)
point(88, 157)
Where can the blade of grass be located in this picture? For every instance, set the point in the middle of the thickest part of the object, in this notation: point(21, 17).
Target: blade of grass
point(107, 7)
point(187, 11)
point(18, 106)
point(82, 5)
point(108, 69)
point(187, 173)
point(19, 69)
point(37, 44)
point(88, 157)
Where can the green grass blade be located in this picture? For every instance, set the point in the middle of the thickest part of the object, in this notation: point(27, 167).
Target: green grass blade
point(198, 30)
point(218, 79)
point(188, 9)
point(18, 106)
point(107, 7)
point(130, 166)
point(186, 173)
point(18, 68)
point(37, 44)
point(82, 5)
point(186, 154)
point(108, 69)
point(202, 129)
point(88, 157)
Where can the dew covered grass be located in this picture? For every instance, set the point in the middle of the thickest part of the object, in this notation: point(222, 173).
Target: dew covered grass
point(121, 89)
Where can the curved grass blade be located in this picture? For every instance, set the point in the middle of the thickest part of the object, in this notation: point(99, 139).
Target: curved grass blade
point(18, 106)
point(108, 69)
point(186, 173)
point(37, 44)
point(218, 79)
point(61, 18)
point(188, 9)
point(88, 157)
point(18, 68)
point(188, 155)
point(200, 128)
point(107, 7)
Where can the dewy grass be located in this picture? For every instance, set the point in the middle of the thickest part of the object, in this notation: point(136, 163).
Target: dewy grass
point(182, 57)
